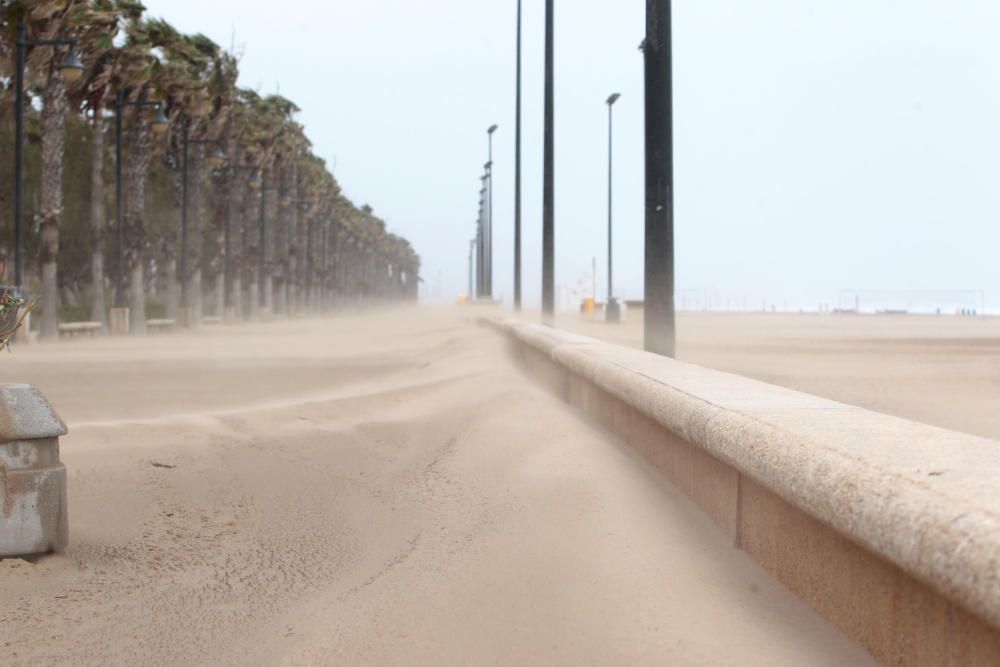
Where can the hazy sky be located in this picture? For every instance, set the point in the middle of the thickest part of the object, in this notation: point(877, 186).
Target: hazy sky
point(819, 145)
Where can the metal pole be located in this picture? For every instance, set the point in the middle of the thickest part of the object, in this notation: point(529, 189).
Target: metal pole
point(548, 184)
point(309, 263)
point(472, 245)
point(119, 203)
point(659, 334)
point(184, 216)
point(517, 173)
point(227, 270)
point(489, 215)
point(610, 292)
point(22, 34)
point(261, 244)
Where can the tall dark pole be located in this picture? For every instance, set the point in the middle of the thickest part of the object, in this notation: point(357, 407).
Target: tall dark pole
point(22, 35)
point(261, 245)
point(184, 214)
point(659, 334)
point(70, 65)
point(548, 182)
point(472, 247)
point(489, 213)
point(227, 266)
point(119, 204)
point(611, 308)
point(517, 172)
point(309, 262)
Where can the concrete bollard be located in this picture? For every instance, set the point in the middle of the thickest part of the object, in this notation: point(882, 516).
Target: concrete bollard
point(229, 315)
point(118, 321)
point(32, 479)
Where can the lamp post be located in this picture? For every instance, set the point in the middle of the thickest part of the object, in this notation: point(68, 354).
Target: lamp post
point(481, 245)
point(160, 124)
point(489, 212)
point(548, 180)
point(70, 69)
point(517, 173)
point(658, 282)
point(472, 248)
point(216, 159)
point(611, 311)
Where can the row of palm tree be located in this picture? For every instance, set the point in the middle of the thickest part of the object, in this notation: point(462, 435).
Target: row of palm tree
point(175, 91)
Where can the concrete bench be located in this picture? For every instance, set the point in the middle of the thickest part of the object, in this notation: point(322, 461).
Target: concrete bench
point(160, 325)
point(70, 329)
point(887, 527)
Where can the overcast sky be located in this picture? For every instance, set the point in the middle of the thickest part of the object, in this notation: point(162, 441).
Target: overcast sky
point(819, 145)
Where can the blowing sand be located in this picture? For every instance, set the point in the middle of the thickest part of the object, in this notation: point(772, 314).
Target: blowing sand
point(376, 490)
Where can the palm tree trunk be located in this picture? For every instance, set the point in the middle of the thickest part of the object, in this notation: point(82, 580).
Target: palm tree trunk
point(135, 212)
point(172, 292)
point(98, 306)
point(53, 152)
point(219, 296)
point(195, 238)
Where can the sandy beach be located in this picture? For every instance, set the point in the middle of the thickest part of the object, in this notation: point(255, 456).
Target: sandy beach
point(386, 489)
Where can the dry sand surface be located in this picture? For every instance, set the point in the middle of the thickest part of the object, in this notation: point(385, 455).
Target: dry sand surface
point(386, 489)
point(940, 370)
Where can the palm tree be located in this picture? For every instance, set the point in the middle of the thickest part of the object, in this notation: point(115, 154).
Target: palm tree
point(98, 22)
point(139, 72)
point(49, 20)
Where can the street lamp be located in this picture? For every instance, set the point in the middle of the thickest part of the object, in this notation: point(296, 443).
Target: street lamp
point(160, 124)
point(216, 159)
point(481, 246)
point(548, 178)
point(658, 282)
point(489, 212)
point(472, 248)
point(517, 173)
point(71, 69)
point(611, 310)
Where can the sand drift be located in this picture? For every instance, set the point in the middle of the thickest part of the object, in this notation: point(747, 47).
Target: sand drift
point(388, 489)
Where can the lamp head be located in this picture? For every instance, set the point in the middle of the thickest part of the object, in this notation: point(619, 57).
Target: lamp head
point(492, 129)
point(71, 68)
point(216, 158)
point(613, 98)
point(160, 121)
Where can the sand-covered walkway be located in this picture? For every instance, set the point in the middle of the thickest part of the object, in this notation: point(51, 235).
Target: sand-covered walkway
point(386, 489)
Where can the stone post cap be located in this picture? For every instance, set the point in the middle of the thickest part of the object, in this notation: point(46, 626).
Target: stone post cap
point(26, 415)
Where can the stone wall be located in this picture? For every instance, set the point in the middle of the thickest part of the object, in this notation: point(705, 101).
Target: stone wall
point(889, 528)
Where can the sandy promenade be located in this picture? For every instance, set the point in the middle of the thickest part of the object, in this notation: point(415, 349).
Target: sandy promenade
point(375, 490)
point(940, 370)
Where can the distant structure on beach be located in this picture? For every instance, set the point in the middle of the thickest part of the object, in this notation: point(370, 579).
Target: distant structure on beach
point(917, 302)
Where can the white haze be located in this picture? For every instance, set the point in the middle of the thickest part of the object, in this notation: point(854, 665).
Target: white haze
point(819, 146)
